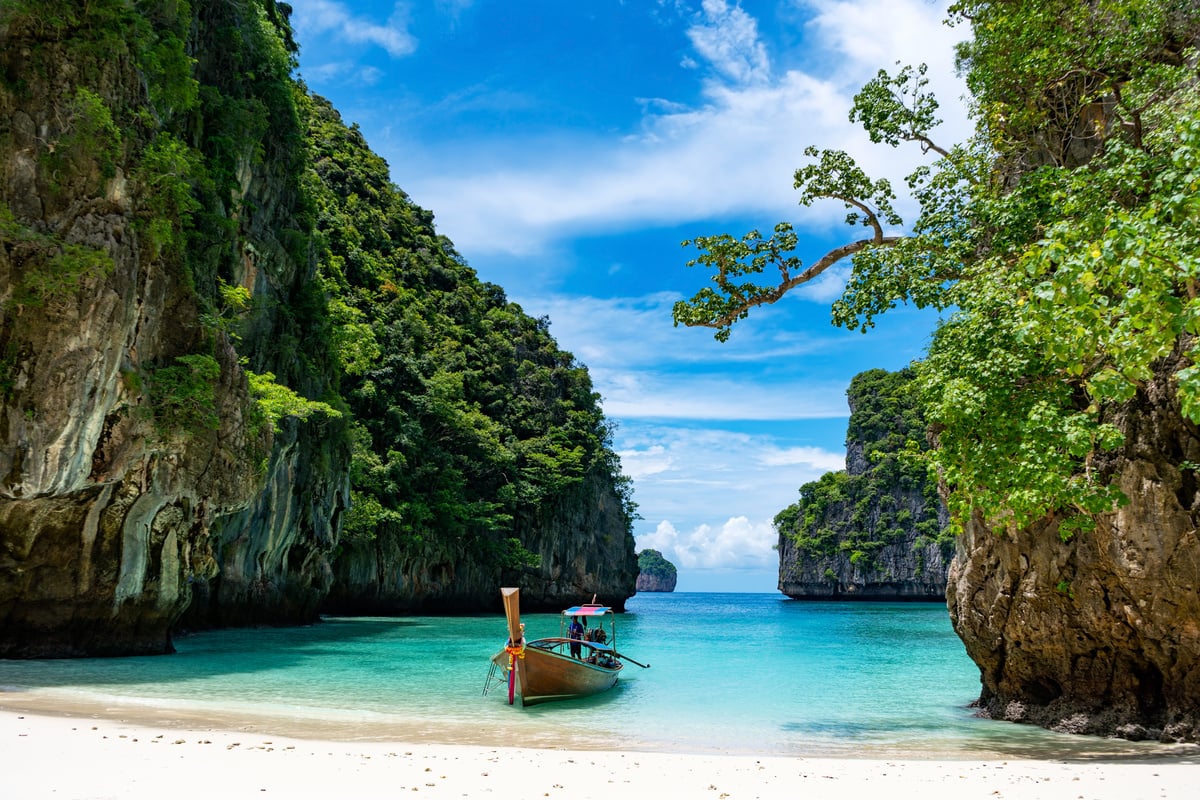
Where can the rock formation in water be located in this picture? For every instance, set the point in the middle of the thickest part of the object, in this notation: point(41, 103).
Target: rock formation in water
point(1101, 633)
point(875, 530)
point(655, 574)
point(182, 379)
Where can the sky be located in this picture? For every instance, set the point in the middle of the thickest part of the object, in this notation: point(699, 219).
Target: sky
point(568, 147)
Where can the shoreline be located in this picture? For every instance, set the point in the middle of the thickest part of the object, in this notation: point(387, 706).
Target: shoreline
point(1011, 741)
point(67, 752)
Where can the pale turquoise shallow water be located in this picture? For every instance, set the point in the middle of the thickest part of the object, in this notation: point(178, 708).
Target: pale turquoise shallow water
point(730, 673)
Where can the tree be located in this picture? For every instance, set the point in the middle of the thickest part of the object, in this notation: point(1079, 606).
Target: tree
point(1063, 237)
point(892, 110)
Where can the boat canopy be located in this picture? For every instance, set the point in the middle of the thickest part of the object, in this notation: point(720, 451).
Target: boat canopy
point(588, 610)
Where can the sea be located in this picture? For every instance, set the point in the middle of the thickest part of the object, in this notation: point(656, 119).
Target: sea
point(725, 674)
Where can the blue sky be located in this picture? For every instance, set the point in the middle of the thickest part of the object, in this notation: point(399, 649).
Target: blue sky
point(567, 147)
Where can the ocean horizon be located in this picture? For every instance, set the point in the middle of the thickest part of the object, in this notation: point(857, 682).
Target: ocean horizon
point(729, 673)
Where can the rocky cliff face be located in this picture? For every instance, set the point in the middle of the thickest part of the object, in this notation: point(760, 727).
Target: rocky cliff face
point(1099, 634)
point(137, 470)
point(656, 583)
point(873, 532)
point(165, 334)
point(584, 548)
point(580, 539)
point(909, 568)
point(272, 556)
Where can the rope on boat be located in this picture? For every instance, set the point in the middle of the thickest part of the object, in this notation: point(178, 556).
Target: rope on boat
point(514, 652)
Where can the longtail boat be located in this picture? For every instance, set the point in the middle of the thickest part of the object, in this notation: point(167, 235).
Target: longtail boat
point(574, 664)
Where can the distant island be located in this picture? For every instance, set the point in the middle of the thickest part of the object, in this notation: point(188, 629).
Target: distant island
point(656, 574)
point(877, 529)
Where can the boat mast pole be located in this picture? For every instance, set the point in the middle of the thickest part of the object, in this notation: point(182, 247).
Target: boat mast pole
point(516, 639)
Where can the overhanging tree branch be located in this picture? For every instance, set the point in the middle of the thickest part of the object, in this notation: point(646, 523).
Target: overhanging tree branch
point(892, 110)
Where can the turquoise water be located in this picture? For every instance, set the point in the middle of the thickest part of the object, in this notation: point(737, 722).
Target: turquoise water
point(729, 673)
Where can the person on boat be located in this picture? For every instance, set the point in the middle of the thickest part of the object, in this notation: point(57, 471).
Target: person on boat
point(575, 634)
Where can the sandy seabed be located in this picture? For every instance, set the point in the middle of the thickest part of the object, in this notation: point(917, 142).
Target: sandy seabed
point(68, 754)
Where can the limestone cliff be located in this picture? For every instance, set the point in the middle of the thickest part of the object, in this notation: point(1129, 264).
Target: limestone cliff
point(656, 574)
point(874, 531)
point(1100, 633)
point(584, 547)
point(136, 466)
point(579, 541)
point(216, 380)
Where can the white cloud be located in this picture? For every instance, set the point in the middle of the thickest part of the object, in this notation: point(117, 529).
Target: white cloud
point(618, 332)
point(343, 71)
point(703, 480)
point(866, 35)
point(643, 463)
point(737, 543)
point(735, 153)
point(646, 395)
point(315, 17)
point(809, 456)
point(727, 37)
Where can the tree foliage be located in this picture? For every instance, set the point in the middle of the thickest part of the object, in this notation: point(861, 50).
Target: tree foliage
point(1062, 238)
point(183, 394)
point(468, 416)
point(653, 563)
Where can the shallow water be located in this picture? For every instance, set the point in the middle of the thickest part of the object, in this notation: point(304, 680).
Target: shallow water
point(729, 673)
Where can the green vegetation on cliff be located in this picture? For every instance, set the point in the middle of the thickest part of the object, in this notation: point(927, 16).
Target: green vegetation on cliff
point(467, 415)
point(300, 281)
point(860, 511)
point(180, 156)
point(1063, 237)
point(652, 563)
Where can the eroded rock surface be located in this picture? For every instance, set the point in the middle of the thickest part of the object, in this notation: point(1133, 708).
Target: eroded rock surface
point(1099, 634)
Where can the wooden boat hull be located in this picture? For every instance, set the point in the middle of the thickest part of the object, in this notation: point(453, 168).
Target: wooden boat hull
point(544, 669)
point(544, 674)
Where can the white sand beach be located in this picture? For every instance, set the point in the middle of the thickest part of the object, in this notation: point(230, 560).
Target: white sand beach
point(80, 756)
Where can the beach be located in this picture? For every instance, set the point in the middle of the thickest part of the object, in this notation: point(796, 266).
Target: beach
point(66, 755)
